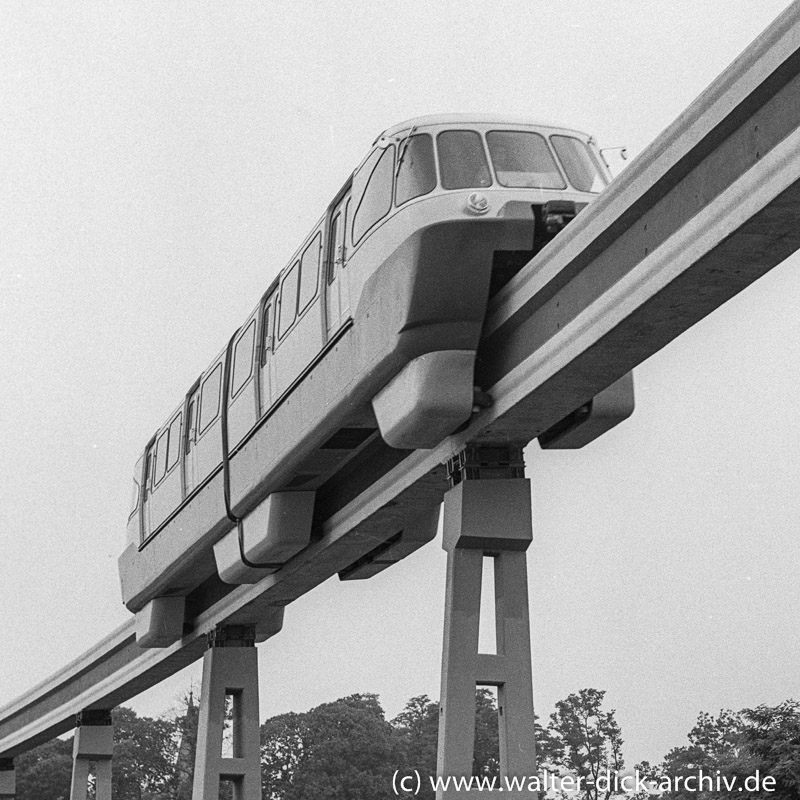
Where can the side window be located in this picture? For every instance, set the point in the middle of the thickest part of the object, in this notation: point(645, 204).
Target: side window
point(288, 300)
point(309, 272)
point(174, 450)
point(416, 172)
point(377, 198)
point(160, 469)
point(209, 399)
point(243, 359)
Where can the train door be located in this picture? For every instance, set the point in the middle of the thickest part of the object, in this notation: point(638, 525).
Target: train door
point(242, 395)
point(190, 462)
point(267, 371)
point(337, 302)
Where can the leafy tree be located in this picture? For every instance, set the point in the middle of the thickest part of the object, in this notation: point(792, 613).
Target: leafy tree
point(712, 746)
point(344, 749)
point(45, 773)
point(585, 741)
point(145, 752)
point(143, 767)
point(486, 757)
point(418, 728)
point(418, 725)
point(652, 775)
point(734, 746)
point(549, 749)
point(285, 741)
point(771, 738)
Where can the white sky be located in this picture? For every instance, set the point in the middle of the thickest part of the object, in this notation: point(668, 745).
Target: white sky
point(159, 162)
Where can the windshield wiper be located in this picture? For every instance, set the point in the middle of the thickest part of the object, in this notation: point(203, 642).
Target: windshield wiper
point(401, 150)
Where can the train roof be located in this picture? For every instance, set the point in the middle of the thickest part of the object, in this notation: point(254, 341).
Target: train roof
point(471, 118)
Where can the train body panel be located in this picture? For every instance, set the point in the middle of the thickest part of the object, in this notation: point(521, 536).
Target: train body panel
point(287, 404)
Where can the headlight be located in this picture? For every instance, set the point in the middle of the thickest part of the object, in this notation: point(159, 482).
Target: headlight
point(477, 203)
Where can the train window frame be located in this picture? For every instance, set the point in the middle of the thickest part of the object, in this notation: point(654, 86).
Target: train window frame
point(160, 473)
point(147, 480)
point(338, 219)
point(384, 152)
point(547, 148)
point(590, 155)
point(293, 270)
point(137, 495)
point(302, 306)
point(173, 462)
point(486, 160)
point(398, 169)
point(192, 417)
point(267, 319)
point(238, 384)
point(202, 425)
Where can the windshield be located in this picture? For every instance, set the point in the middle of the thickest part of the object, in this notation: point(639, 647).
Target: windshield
point(579, 163)
point(462, 160)
point(416, 173)
point(523, 159)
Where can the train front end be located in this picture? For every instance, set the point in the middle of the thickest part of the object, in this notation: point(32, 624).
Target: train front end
point(473, 200)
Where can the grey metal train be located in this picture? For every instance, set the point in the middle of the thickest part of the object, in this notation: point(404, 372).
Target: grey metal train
point(363, 347)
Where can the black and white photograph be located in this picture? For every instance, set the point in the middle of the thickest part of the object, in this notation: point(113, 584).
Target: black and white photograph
point(400, 400)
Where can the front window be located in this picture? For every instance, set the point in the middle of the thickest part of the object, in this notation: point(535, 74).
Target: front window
point(462, 160)
point(376, 201)
point(416, 173)
point(579, 163)
point(522, 159)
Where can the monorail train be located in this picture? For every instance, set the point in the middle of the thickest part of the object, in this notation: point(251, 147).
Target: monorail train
point(365, 342)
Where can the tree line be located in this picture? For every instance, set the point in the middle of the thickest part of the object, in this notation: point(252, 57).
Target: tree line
point(348, 749)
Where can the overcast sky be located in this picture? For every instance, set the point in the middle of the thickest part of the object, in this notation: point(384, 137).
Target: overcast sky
point(159, 162)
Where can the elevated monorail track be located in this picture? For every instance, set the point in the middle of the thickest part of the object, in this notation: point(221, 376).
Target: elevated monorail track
point(707, 209)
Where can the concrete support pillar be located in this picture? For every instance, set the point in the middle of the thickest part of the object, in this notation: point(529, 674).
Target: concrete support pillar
point(487, 513)
point(8, 781)
point(230, 670)
point(93, 745)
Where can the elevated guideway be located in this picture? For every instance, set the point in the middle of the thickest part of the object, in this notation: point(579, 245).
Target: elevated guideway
point(707, 209)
